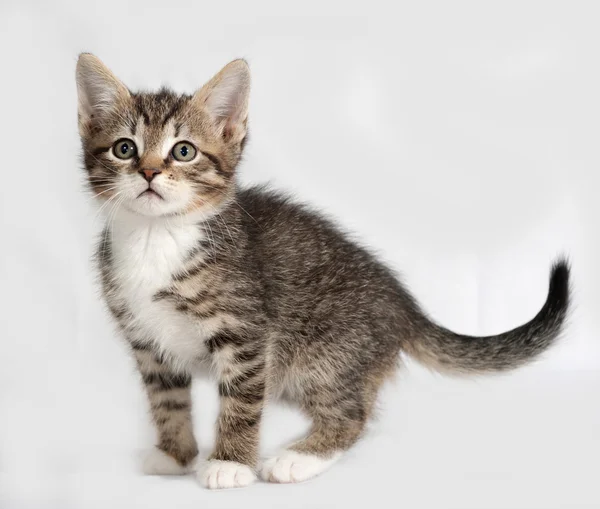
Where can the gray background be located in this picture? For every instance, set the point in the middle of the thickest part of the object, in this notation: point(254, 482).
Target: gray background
point(459, 140)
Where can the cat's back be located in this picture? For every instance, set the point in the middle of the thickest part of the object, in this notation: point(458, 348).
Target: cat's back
point(301, 247)
point(278, 219)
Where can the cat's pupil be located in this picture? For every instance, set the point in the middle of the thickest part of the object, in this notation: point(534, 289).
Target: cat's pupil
point(124, 148)
point(184, 151)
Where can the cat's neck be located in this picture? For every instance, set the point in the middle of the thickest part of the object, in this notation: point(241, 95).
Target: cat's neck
point(133, 234)
point(127, 220)
point(140, 237)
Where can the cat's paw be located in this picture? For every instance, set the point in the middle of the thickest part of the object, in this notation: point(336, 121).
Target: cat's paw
point(292, 466)
point(216, 474)
point(157, 462)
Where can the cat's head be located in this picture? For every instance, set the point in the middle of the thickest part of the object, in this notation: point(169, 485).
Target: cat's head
point(162, 154)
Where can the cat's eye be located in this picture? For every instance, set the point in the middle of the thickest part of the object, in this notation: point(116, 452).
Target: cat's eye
point(124, 149)
point(184, 151)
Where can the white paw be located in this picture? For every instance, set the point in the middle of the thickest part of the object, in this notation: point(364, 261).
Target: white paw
point(156, 462)
point(216, 474)
point(293, 466)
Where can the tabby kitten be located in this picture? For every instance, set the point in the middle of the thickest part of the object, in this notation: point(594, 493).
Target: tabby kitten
point(273, 299)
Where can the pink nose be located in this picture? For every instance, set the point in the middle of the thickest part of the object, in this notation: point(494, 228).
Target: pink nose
point(149, 174)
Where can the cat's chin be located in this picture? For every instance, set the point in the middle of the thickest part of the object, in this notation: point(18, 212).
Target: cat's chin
point(166, 210)
point(152, 207)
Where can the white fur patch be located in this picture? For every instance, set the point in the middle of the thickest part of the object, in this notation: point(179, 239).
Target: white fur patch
point(215, 474)
point(292, 467)
point(146, 254)
point(156, 462)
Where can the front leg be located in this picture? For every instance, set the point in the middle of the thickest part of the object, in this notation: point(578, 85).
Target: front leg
point(169, 394)
point(239, 360)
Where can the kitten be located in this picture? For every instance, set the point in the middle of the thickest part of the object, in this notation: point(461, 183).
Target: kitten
point(268, 295)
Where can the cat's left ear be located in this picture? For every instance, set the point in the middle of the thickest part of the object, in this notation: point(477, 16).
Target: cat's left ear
point(99, 90)
point(225, 98)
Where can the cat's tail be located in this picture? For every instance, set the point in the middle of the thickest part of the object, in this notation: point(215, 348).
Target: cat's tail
point(446, 351)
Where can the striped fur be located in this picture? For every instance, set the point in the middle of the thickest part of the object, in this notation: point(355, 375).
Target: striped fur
point(263, 293)
point(169, 394)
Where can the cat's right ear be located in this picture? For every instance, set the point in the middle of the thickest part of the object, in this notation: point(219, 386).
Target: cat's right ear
point(99, 90)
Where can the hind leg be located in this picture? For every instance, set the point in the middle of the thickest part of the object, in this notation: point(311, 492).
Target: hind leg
point(337, 425)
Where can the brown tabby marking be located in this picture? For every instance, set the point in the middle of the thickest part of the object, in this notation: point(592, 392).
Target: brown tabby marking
point(267, 294)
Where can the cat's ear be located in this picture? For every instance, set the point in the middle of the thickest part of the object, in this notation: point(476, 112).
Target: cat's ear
point(225, 99)
point(99, 90)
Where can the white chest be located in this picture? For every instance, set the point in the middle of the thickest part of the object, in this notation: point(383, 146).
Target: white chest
point(145, 257)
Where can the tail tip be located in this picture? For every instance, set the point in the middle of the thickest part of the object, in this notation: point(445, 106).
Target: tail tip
point(559, 283)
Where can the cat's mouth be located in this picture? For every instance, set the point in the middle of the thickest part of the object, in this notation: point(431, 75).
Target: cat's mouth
point(150, 193)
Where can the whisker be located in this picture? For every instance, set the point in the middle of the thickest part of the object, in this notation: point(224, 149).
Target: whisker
point(104, 206)
point(222, 221)
point(105, 191)
point(111, 221)
point(218, 190)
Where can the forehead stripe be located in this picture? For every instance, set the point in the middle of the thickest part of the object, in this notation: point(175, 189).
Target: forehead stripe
point(174, 109)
